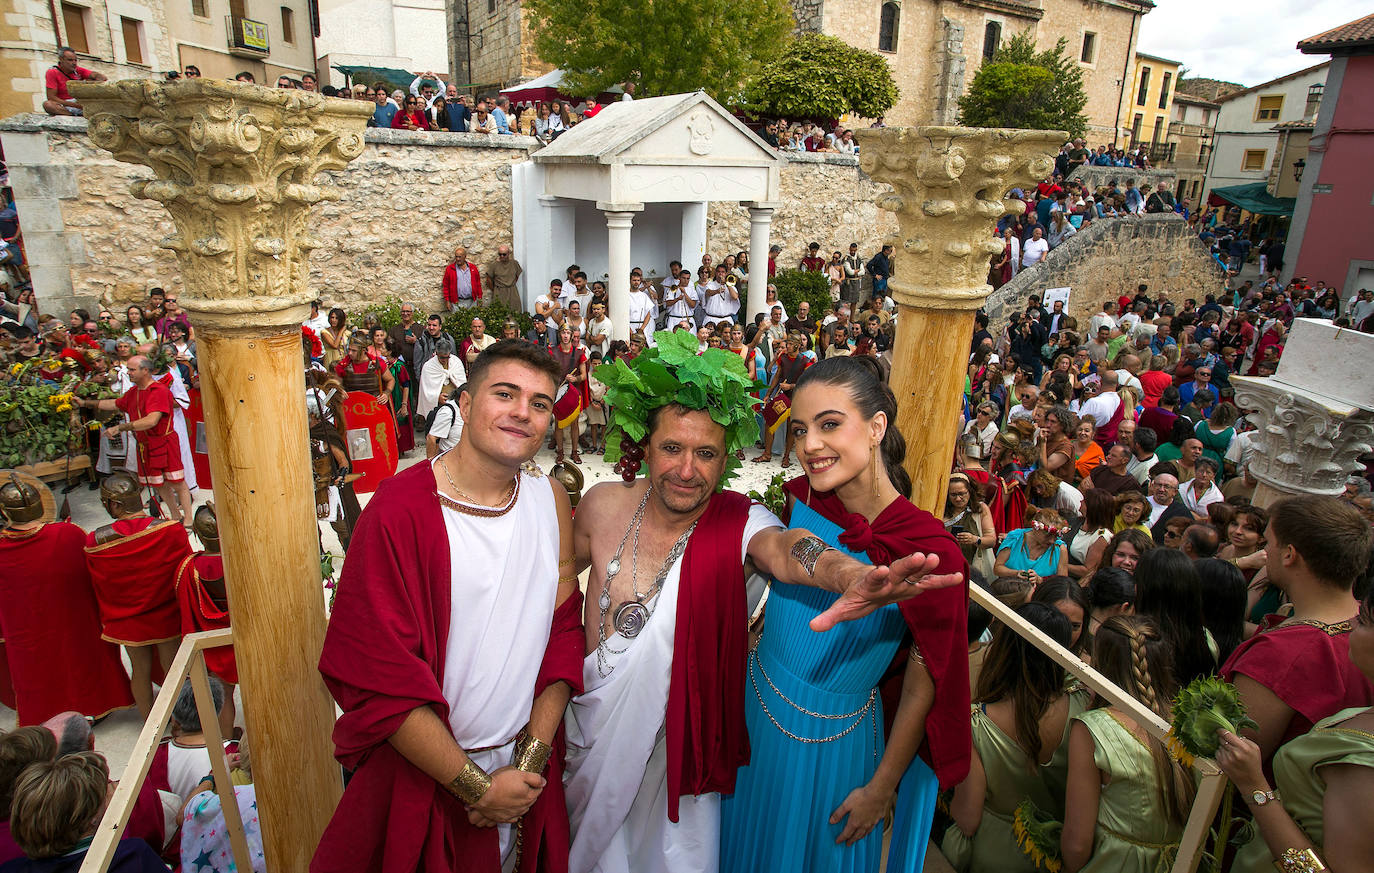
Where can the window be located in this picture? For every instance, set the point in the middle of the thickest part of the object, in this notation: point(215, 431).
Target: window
point(992, 37)
point(74, 23)
point(887, 28)
point(1135, 128)
point(1269, 108)
point(198, 9)
point(1254, 159)
point(1089, 48)
point(1157, 135)
point(491, 7)
point(1144, 86)
point(1202, 154)
point(1314, 100)
point(288, 25)
point(1164, 91)
point(132, 31)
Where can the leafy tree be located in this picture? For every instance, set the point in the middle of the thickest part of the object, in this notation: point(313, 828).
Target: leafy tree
point(664, 46)
point(1022, 87)
point(821, 76)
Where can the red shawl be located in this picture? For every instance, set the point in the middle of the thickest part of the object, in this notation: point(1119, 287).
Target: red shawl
point(134, 579)
point(938, 620)
point(39, 571)
point(707, 737)
point(383, 657)
point(199, 611)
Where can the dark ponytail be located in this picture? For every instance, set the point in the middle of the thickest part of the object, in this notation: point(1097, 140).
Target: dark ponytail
point(860, 377)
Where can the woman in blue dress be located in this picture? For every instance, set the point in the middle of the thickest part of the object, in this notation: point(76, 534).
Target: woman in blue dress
point(823, 769)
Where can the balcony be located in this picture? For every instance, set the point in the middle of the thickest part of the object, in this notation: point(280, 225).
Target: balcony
point(247, 38)
point(1163, 152)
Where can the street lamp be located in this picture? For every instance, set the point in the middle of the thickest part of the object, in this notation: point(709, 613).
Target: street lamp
point(1298, 166)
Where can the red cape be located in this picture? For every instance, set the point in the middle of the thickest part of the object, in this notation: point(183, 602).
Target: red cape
point(706, 733)
point(47, 606)
point(383, 657)
point(199, 612)
point(134, 579)
point(938, 620)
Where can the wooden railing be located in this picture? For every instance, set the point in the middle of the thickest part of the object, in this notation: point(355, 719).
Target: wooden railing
point(1213, 783)
point(189, 662)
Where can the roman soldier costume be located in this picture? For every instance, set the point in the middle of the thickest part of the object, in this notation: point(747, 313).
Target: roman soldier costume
point(202, 596)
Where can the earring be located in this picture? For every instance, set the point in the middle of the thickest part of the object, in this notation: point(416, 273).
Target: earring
point(873, 463)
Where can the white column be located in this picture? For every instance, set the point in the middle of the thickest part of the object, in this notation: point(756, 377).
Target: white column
point(760, 223)
point(693, 236)
point(619, 219)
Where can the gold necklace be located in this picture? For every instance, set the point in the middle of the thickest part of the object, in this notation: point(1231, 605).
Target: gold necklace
point(482, 510)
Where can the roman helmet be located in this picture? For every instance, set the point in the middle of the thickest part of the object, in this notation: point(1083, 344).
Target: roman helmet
point(20, 501)
point(121, 495)
point(206, 527)
point(570, 477)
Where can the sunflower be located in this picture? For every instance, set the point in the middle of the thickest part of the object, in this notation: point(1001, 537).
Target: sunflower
point(1038, 836)
point(1206, 706)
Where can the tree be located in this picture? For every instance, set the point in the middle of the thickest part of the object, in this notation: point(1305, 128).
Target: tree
point(664, 46)
point(1021, 87)
point(823, 77)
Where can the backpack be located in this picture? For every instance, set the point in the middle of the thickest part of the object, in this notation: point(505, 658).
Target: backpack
point(429, 419)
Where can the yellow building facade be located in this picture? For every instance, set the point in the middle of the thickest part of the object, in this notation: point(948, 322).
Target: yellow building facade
point(1147, 102)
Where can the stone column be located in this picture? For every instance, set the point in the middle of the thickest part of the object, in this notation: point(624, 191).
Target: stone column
point(235, 165)
point(948, 189)
point(760, 224)
point(619, 218)
point(1314, 417)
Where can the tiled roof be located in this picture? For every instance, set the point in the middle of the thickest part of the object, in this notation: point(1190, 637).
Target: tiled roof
point(1355, 34)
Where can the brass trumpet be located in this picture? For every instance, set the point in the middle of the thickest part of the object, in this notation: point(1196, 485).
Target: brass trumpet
point(731, 280)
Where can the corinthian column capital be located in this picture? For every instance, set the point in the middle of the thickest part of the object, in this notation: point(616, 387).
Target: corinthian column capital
point(948, 186)
point(235, 166)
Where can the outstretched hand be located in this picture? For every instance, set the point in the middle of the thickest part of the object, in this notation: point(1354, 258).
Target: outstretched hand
point(903, 579)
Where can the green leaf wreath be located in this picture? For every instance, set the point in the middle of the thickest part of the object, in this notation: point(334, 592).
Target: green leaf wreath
point(673, 372)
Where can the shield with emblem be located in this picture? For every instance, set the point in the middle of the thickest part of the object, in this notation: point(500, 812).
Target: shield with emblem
point(371, 440)
point(196, 432)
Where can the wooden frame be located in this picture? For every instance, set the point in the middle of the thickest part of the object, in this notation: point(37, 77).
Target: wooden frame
point(1213, 786)
point(188, 663)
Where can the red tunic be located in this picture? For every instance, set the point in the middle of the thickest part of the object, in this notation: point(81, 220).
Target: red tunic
point(51, 623)
point(135, 580)
point(159, 448)
point(199, 612)
point(383, 657)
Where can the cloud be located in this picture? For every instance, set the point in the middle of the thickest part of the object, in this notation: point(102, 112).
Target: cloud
point(1246, 41)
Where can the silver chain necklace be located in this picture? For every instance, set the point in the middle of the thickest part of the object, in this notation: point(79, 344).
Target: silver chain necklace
point(632, 615)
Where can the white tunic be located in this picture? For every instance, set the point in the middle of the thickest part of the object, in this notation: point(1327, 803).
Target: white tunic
point(616, 781)
point(182, 398)
point(504, 591)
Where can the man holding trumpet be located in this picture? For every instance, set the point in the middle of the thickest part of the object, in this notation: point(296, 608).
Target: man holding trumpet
point(722, 297)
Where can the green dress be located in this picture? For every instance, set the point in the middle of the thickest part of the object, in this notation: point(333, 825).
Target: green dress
point(1009, 781)
point(1297, 772)
point(1134, 834)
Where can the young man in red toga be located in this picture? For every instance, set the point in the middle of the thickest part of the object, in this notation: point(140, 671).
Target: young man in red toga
point(148, 407)
point(454, 645)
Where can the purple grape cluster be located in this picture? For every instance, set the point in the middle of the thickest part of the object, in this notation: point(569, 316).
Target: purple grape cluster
point(631, 458)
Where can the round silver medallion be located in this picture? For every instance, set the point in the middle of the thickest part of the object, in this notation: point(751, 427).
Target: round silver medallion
point(630, 619)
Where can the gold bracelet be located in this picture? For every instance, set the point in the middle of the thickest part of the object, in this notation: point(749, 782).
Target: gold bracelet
point(470, 784)
point(531, 754)
point(1299, 861)
point(562, 579)
point(567, 562)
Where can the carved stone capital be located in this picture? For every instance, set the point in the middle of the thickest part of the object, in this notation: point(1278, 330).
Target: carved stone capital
point(948, 187)
point(235, 165)
point(1305, 443)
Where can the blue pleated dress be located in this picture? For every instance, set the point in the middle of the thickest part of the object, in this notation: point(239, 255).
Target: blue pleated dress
point(778, 819)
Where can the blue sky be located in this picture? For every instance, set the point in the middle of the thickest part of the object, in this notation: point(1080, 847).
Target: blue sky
point(1246, 41)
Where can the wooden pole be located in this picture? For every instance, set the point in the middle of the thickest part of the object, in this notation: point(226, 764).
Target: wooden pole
point(235, 165)
point(948, 185)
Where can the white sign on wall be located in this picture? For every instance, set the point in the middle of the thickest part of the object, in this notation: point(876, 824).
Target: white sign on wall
point(1055, 294)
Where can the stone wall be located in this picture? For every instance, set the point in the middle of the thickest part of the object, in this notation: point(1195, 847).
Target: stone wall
point(1097, 177)
point(1111, 257)
point(407, 201)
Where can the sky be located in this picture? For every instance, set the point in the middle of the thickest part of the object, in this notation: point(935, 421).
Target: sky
point(1245, 41)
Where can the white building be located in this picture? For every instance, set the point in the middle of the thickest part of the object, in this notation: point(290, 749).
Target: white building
point(1246, 142)
point(401, 34)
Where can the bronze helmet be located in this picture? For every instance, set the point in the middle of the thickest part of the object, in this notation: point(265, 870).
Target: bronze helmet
point(19, 501)
point(206, 526)
point(570, 477)
point(121, 495)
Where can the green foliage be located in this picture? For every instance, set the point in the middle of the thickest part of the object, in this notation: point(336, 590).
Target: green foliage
point(673, 372)
point(794, 286)
point(821, 76)
point(38, 421)
point(1204, 707)
point(458, 324)
point(774, 498)
point(1024, 88)
point(664, 46)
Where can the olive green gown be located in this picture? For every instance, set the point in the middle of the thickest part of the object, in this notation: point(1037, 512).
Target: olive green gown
point(1134, 834)
point(1297, 772)
point(1009, 781)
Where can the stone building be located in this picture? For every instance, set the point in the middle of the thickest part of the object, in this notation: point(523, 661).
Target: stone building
point(491, 44)
point(1145, 111)
point(1192, 124)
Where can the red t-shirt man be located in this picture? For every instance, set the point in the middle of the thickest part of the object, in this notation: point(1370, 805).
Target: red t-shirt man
point(57, 80)
point(159, 449)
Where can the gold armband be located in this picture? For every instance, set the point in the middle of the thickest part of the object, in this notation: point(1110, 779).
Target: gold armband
point(531, 754)
point(470, 784)
point(1299, 861)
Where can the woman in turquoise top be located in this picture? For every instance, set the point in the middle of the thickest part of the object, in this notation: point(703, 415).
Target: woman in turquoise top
point(822, 769)
point(1035, 551)
point(1216, 433)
